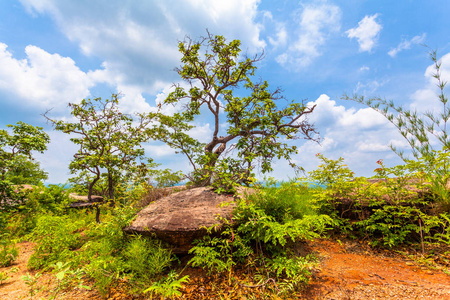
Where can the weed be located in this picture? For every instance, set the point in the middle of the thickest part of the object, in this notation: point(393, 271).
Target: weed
point(169, 286)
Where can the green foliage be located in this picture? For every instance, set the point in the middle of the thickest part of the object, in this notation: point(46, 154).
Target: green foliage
point(400, 207)
point(169, 286)
point(24, 139)
point(288, 201)
point(14, 148)
point(165, 178)
point(225, 175)
point(25, 171)
point(264, 230)
point(67, 278)
point(257, 125)
point(31, 281)
point(8, 251)
point(145, 258)
point(3, 277)
point(21, 219)
point(109, 140)
point(55, 237)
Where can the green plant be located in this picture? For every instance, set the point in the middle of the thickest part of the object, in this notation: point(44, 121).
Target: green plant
point(169, 286)
point(8, 251)
point(257, 124)
point(146, 258)
point(258, 239)
point(3, 277)
point(110, 141)
point(66, 277)
point(24, 170)
point(31, 281)
point(24, 139)
point(56, 237)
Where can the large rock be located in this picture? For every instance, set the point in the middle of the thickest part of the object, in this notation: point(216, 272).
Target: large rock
point(83, 201)
point(180, 218)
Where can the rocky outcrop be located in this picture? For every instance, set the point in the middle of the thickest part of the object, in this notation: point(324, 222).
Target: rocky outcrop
point(182, 217)
point(83, 201)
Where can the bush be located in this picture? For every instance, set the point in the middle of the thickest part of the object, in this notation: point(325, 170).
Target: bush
point(289, 201)
point(263, 234)
point(145, 258)
point(55, 237)
point(8, 251)
point(397, 208)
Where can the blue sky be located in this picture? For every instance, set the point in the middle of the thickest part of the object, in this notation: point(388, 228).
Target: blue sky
point(53, 52)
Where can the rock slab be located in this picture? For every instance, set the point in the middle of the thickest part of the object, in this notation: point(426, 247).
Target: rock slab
point(182, 217)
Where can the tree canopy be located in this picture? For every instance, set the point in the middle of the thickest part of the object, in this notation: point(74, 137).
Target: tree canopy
point(247, 116)
point(23, 140)
point(109, 141)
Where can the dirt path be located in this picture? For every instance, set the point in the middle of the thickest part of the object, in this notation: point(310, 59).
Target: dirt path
point(347, 271)
point(15, 287)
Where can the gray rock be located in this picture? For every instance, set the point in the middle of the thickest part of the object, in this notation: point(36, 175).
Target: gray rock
point(182, 217)
point(83, 201)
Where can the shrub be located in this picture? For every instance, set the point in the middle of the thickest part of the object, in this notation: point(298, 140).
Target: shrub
point(145, 258)
point(56, 237)
point(8, 251)
point(265, 227)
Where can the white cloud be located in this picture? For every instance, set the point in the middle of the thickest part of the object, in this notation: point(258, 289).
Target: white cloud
point(366, 33)
point(360, 136)
point(364, 68)
point(42, 80)
point(368, 87)
point(406, 44)
point(426, 98)
point(57, 157)
point(138, 39)
point(315, 23)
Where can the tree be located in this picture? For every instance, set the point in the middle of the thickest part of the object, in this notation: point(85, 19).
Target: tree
point(109, 141)
point(25, 139)
point(258, 123)
point(26, 171)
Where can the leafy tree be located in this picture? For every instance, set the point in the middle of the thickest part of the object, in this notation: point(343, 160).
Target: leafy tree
point(24, 139)
point(257, 124)
point(109, 141)
point(26, 171)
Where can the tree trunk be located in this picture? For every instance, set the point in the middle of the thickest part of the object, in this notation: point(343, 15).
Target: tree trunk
point(111, 188)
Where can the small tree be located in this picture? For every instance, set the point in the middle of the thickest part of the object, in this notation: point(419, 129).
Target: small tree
point(26, 171)
point(23, 140)
point(246, 116)
point(109, 141)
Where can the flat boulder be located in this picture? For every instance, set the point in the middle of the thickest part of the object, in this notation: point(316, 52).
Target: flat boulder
point(83, 201)
point(183, 217)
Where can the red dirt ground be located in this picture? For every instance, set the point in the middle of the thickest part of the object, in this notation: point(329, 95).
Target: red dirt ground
point(347, 270)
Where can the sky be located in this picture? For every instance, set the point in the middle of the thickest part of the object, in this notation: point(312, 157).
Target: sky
point(55, 52)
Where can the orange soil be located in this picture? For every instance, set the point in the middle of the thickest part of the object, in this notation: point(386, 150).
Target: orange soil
point(347, 271)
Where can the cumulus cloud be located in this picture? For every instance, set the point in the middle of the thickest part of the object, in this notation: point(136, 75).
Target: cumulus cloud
point(406, 44)
point(367, 33)
point(426, 98)
point(138, 39)
point(43, 80)
point(315, 23)
point(357, 135)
